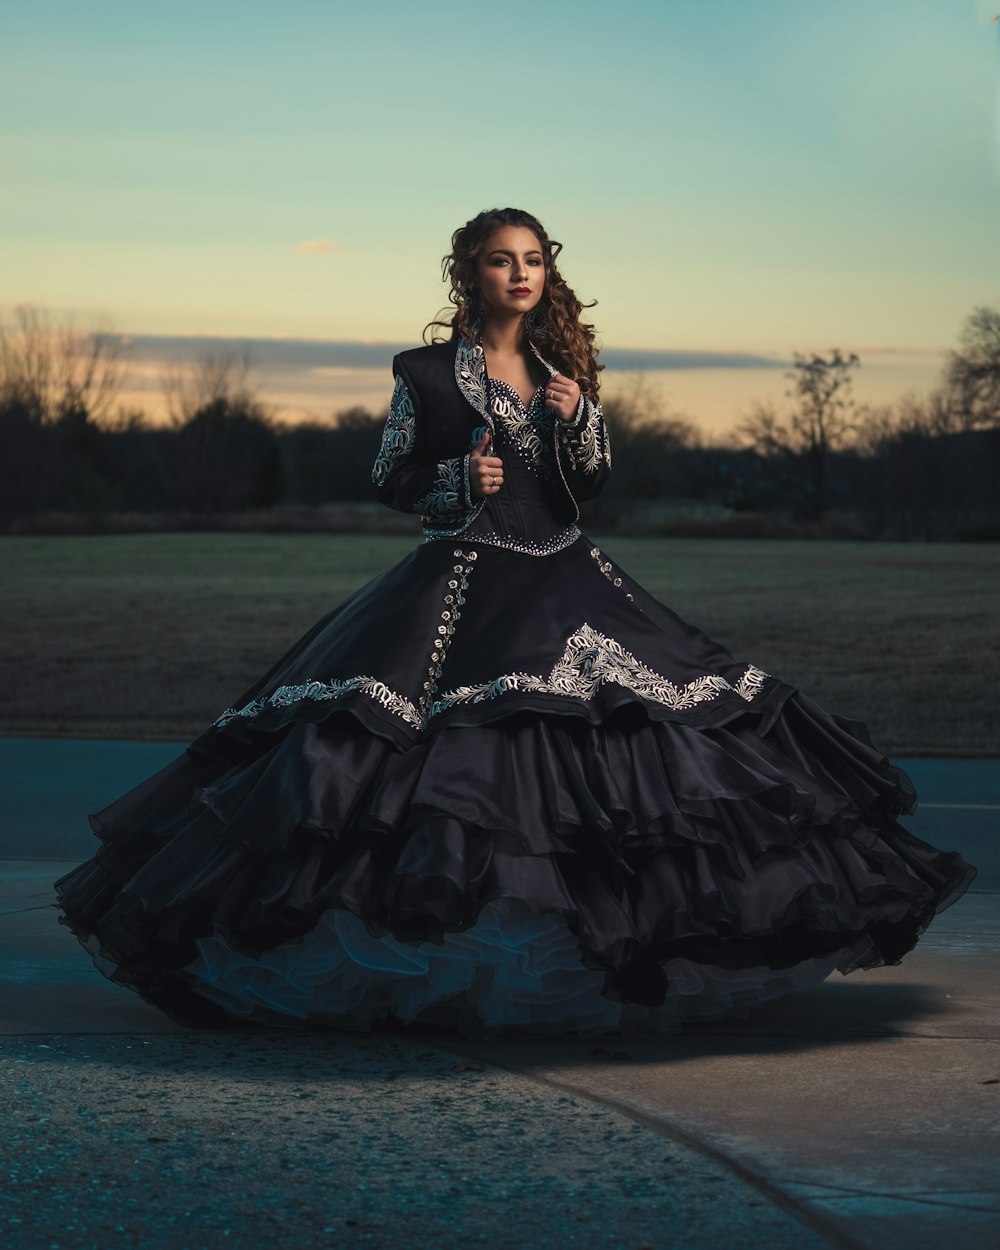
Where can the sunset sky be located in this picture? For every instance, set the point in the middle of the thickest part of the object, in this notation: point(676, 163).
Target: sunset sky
point(732, 182)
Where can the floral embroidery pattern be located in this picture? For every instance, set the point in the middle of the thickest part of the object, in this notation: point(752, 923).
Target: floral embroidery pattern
point(751, 683)
point(320, 691)
point(586, 446)
point(398, 435)
point(582, 446)
point(445, 494)
point(525, 426)
point(470, 373)
point(589, 661)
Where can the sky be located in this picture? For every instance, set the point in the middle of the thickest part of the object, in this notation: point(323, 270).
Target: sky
point(732, 182)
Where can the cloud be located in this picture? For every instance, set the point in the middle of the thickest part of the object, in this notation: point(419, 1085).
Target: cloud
point(292, 355)
point(323, 246)
point(876, 349)
point(273, 354)
point(639, 358)
point(307, 378)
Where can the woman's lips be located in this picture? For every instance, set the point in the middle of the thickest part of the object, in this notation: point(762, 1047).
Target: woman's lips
point(520, 290)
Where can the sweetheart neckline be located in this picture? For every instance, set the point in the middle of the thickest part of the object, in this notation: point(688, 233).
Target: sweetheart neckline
point(526, 407)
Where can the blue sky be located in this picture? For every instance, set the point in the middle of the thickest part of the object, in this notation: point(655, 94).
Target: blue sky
point(731, 179)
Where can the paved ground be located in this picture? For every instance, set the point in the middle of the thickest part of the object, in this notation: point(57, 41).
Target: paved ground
point(862, 1113)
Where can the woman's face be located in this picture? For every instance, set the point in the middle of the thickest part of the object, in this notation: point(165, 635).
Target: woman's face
point(511, 271)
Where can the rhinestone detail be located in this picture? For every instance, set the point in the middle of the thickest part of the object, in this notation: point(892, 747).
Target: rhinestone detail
point(449, 618)
point(607, 568)
point(514, 542)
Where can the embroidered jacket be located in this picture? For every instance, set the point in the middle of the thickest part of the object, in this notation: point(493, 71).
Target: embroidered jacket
point(439, 409)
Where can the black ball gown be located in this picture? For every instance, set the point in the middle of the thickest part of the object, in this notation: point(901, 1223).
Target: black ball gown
point(502, 789)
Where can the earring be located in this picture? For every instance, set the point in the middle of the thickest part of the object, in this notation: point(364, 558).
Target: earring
point(475, 319)
point(535, 323)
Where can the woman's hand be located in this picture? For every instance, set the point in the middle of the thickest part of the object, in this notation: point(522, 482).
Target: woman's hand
point(562, 394)
point(485, 471)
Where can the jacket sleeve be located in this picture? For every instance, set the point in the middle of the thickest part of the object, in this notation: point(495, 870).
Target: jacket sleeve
point(403, 477)
point(585, 449)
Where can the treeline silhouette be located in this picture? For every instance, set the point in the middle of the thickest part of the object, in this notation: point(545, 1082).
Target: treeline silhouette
point(927, 468)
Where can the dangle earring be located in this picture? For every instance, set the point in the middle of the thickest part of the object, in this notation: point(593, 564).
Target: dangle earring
point(536, 324)
point(475, 319)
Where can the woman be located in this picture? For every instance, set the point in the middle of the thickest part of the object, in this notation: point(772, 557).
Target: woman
point(501, 787)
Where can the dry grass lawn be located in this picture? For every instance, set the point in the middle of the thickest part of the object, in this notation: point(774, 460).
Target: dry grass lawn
point(151, 636)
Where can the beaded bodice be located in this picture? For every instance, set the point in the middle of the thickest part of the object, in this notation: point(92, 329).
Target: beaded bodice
point(521, 515)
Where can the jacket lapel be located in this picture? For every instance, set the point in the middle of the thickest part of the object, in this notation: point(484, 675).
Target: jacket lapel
point(470, 374)
point(551, 368)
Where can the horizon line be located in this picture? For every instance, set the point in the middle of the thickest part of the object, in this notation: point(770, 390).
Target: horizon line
point(298, 352)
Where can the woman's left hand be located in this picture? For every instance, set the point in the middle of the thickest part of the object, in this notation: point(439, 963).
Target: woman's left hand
point(562, 394)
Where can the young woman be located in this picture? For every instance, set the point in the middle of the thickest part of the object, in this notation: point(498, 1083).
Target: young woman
point(502, 787)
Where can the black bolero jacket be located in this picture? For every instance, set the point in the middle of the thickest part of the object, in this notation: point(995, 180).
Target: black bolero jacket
point(438, 412)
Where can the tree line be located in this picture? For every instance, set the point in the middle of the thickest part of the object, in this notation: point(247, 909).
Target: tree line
point(921, 468)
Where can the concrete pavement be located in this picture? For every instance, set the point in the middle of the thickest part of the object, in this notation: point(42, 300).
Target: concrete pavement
point(861, 1113)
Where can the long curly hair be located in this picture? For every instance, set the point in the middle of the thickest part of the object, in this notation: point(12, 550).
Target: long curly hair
point(566, 341)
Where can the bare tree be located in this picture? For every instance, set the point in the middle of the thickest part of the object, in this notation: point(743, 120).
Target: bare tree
point(229, 455)
point(639, 408)
point(973, 375)
point(820, 424)
point(214, 379)
point(49, 368)
point(877, 426)
point(929, 416)
point(764, 430)
point(651, 445)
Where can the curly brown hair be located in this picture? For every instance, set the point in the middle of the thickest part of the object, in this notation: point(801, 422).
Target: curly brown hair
point(566, 340)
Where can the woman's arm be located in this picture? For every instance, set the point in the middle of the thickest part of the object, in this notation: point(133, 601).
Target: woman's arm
point(586, 449)
point(401, 476)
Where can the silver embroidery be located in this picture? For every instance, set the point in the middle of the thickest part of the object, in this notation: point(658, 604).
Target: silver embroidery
point(470, 373)
point(445, 494)
point(582, 443)
point(398, 435)
point(321, 691)
point(583, 446)
point(582, 449)
point(525, 430)
point(448, 531)
point(590, 660)
point(751, 683)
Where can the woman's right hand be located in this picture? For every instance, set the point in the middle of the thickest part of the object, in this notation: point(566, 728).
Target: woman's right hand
point(485, 471)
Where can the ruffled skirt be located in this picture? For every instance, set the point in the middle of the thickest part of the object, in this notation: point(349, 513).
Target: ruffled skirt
point(533, 801)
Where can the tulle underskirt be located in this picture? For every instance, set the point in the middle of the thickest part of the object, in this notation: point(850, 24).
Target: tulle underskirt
point(513, 972)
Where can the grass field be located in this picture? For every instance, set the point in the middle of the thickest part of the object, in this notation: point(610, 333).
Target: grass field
point(151, 636)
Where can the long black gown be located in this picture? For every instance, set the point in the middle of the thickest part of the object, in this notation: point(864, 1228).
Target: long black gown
point(502, 788)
